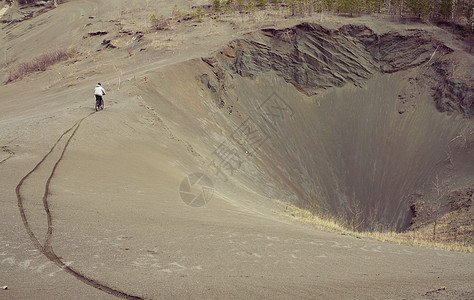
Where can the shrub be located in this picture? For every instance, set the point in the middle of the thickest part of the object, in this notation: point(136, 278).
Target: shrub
point(39, 64)
point(154, 20)
point(216, 4)
point(262, 4)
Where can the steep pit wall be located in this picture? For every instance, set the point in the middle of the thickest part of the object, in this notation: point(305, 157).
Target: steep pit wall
point(345, 122)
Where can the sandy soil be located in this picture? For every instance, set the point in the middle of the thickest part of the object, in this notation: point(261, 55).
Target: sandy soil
point(3, 10)
point(99, 194)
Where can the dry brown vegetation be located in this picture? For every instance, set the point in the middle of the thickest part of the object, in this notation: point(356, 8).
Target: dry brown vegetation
point(39, 64)
point(456, 225)
point(420, 236)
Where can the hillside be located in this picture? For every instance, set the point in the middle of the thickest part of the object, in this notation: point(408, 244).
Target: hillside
point(169, 192)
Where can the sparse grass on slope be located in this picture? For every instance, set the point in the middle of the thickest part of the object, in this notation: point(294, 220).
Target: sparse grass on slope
point(39, 64)
point(418, 238)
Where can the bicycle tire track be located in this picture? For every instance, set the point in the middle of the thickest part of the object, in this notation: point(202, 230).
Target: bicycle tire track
point(46, 249)
point(10, 154)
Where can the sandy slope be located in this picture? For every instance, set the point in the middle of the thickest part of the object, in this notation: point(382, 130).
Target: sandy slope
point(3, 10)
point(118, 222)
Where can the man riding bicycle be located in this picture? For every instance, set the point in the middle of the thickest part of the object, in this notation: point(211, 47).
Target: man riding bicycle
point(99, 92)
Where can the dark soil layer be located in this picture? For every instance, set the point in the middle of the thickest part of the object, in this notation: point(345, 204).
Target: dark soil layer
point(313, 59)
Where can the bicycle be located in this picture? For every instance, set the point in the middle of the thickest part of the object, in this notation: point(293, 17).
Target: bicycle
point(99, 104)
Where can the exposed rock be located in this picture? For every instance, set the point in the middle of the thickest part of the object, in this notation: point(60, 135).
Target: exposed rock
point(97, 33)
point(313, 59)
point(451, 94)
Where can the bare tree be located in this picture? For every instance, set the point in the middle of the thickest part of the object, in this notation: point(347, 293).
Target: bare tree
point(356, 219)
point(441, 190)
point(373, 216)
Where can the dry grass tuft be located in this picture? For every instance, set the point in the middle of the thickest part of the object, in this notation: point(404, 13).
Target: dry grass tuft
point(420, 238)
point(39, 64)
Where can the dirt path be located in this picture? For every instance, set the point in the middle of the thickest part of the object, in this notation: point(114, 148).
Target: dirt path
point(45, 248)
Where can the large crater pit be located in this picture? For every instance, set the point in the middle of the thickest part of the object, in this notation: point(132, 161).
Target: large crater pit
point(347, 122)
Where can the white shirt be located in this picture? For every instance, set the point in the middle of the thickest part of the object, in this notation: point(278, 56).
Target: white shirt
point(99, 91)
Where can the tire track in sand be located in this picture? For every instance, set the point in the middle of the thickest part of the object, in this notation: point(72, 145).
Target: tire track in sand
point(9, 152)
point(46, 249)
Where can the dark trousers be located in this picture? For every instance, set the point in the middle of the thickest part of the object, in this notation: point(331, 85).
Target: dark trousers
point(98, 100)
